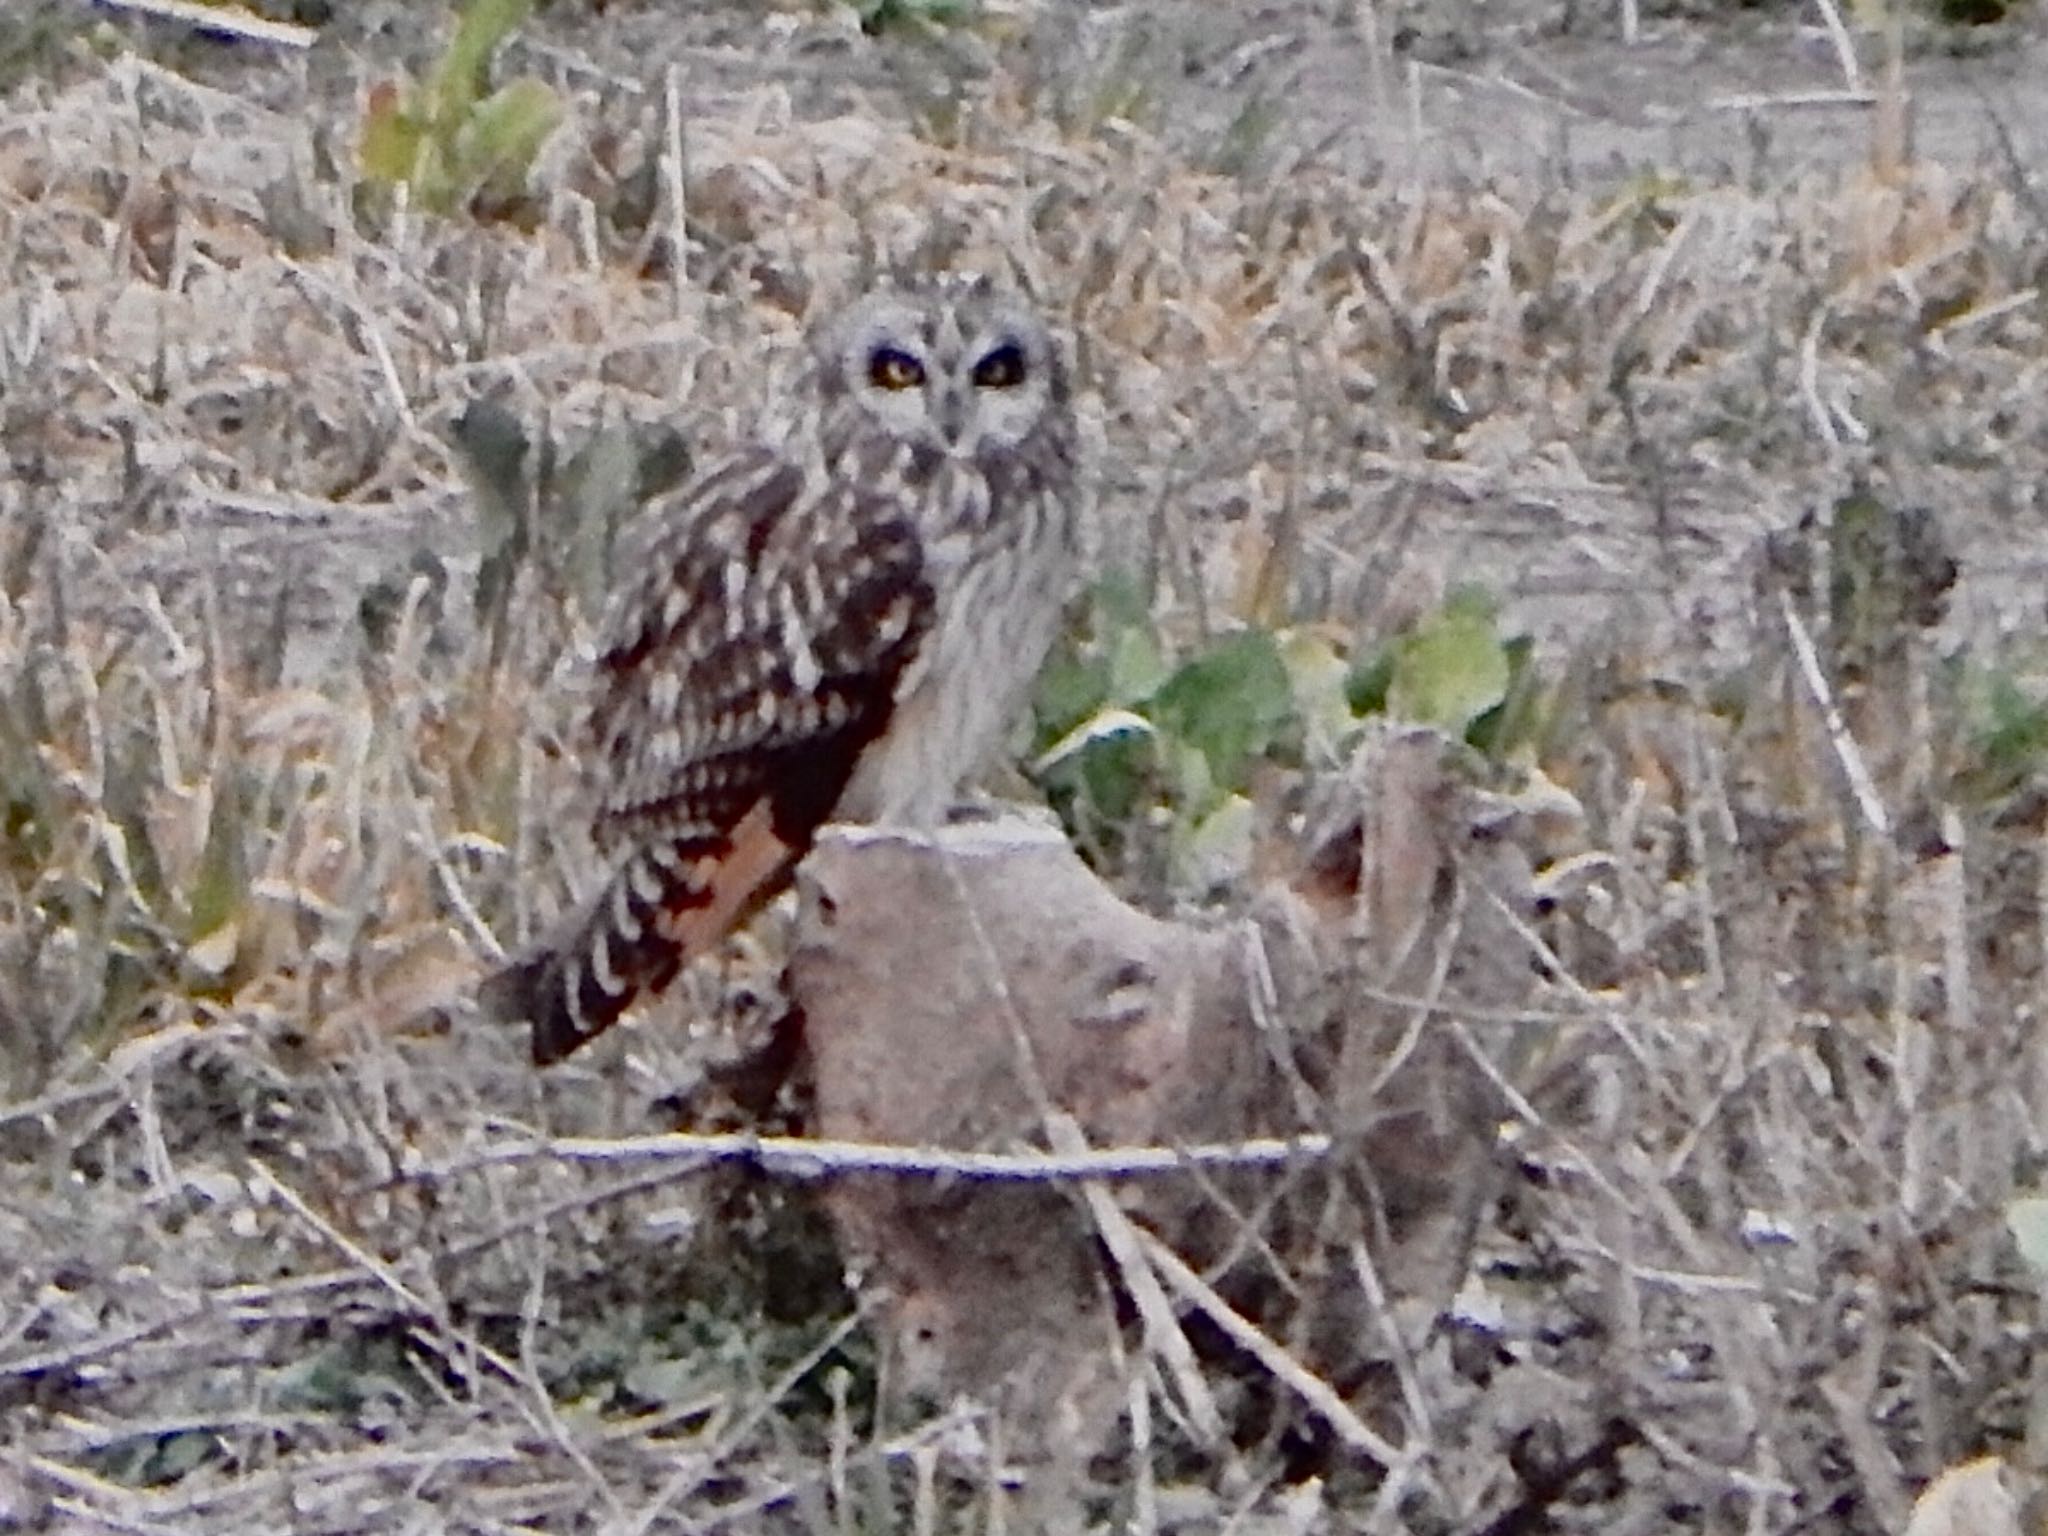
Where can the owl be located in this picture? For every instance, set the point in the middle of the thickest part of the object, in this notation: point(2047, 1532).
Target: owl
point(833, 624)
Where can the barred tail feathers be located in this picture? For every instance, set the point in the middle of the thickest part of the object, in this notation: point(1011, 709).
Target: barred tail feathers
point(576, 982)
point(665, 905)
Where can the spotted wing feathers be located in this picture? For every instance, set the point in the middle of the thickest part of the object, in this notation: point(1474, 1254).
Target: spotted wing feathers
point(754, 659)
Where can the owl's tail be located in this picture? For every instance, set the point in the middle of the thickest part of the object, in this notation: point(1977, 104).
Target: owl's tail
point(666, 904)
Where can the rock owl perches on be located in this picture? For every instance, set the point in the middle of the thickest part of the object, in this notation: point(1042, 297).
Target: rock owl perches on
point(837, 627)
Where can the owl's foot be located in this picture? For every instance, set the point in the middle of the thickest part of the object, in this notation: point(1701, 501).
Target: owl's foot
point(977, 807)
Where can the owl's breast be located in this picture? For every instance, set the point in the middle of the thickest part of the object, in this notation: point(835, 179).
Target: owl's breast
point(998, 606)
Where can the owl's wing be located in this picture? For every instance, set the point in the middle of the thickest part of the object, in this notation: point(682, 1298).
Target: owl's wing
point(757, 654)
point(754, 659)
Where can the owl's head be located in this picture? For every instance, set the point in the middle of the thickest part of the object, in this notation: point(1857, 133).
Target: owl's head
point(956, 365)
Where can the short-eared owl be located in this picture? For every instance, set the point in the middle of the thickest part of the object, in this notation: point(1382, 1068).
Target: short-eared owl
point(836, 626)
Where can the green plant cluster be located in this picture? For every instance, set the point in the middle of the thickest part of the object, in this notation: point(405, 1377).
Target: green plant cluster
point(451, 140)
point(1161, 757)
point(1142, 743)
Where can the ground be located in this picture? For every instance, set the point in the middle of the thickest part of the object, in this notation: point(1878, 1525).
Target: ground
point(1725, 387)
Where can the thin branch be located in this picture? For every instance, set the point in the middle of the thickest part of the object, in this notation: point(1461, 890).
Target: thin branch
point(1847, 753)
point(1319, 1395)
point(1844, 45)
point(675, 184)
point(210, 18)
point(388, 1277)
point(1758, 102)
point(799, 1157)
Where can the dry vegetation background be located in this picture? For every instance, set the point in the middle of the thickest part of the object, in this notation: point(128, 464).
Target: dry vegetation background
point(1732, 947)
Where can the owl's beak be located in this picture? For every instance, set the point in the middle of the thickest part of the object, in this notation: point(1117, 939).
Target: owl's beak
point(950, 412)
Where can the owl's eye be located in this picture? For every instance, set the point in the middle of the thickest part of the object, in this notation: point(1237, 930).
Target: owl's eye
point(1001, 369)
point(890, 369)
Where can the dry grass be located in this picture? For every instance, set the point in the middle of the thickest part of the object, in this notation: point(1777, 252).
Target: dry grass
point(1753, 1275)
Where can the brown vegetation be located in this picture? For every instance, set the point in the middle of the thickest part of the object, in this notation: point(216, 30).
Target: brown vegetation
point(1730, 960)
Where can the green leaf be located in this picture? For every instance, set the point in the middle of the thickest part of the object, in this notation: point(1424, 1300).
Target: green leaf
point(390, 146)
point(2007, 732)
point(1115, 773)
point(498, 142)
point(1105, 724)
point(2016, 725)
point(1232, 703)
point(1516, 720)
point(1216, 851)
point(220, 889)
point(1319, 678)
point(1116, 662)
point(459, 78)
point(1452, 668)
point(1119, 602)
point(183, 1452)
point(1072, 688)
point(1136, 667)
point(1370, 680)
point(1191, 776)
point(448, 140)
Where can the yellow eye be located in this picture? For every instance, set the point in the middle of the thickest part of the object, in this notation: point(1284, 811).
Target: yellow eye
point(890, 369)
point(1001, 369)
